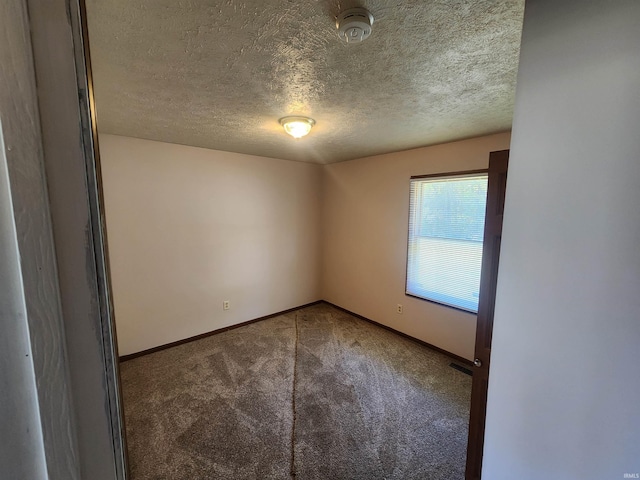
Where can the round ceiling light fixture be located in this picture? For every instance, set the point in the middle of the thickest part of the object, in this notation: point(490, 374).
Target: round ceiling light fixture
point(297, 126)
point(354, 25)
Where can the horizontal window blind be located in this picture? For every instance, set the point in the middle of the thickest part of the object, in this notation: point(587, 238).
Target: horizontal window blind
point(446, 228)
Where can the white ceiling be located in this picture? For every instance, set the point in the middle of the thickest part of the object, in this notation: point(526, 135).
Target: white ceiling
point(219, 74)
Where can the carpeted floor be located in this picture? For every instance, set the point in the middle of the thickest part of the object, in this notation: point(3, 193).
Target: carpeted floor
point(313, 394)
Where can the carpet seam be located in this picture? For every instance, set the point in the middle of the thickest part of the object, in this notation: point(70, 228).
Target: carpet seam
point(293, 400)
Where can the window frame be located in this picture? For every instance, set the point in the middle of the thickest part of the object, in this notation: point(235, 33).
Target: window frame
point(462, 173)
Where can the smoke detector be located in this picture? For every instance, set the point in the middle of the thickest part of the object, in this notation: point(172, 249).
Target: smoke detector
point(354, 25)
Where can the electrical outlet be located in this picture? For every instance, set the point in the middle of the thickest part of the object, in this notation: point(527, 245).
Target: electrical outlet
point(399, 308)
point(226, 305)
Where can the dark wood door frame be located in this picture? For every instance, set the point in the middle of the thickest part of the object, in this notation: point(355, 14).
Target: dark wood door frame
point(498, 163)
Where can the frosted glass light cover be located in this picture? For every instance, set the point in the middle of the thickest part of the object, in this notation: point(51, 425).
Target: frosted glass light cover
point(297, 127)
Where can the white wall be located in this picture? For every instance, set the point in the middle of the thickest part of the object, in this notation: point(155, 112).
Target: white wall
point(189, 227)
point(21, 442)
point(564, 385)
point(365, 225)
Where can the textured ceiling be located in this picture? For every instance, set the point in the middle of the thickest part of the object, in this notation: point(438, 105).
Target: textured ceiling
point(220, 74)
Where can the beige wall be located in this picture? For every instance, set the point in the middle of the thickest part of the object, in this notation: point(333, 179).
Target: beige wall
point(189, 227)
point(564, 383)
point(364, 238)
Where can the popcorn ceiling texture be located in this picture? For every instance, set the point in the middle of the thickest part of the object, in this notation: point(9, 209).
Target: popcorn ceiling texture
point(219, 75)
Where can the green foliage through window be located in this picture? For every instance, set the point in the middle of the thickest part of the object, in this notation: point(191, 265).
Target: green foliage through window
point(453, 208)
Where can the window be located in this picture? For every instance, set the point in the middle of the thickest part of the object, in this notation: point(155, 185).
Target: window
point(446, 228)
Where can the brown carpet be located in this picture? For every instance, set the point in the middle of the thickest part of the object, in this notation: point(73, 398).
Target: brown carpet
point(312, 394)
